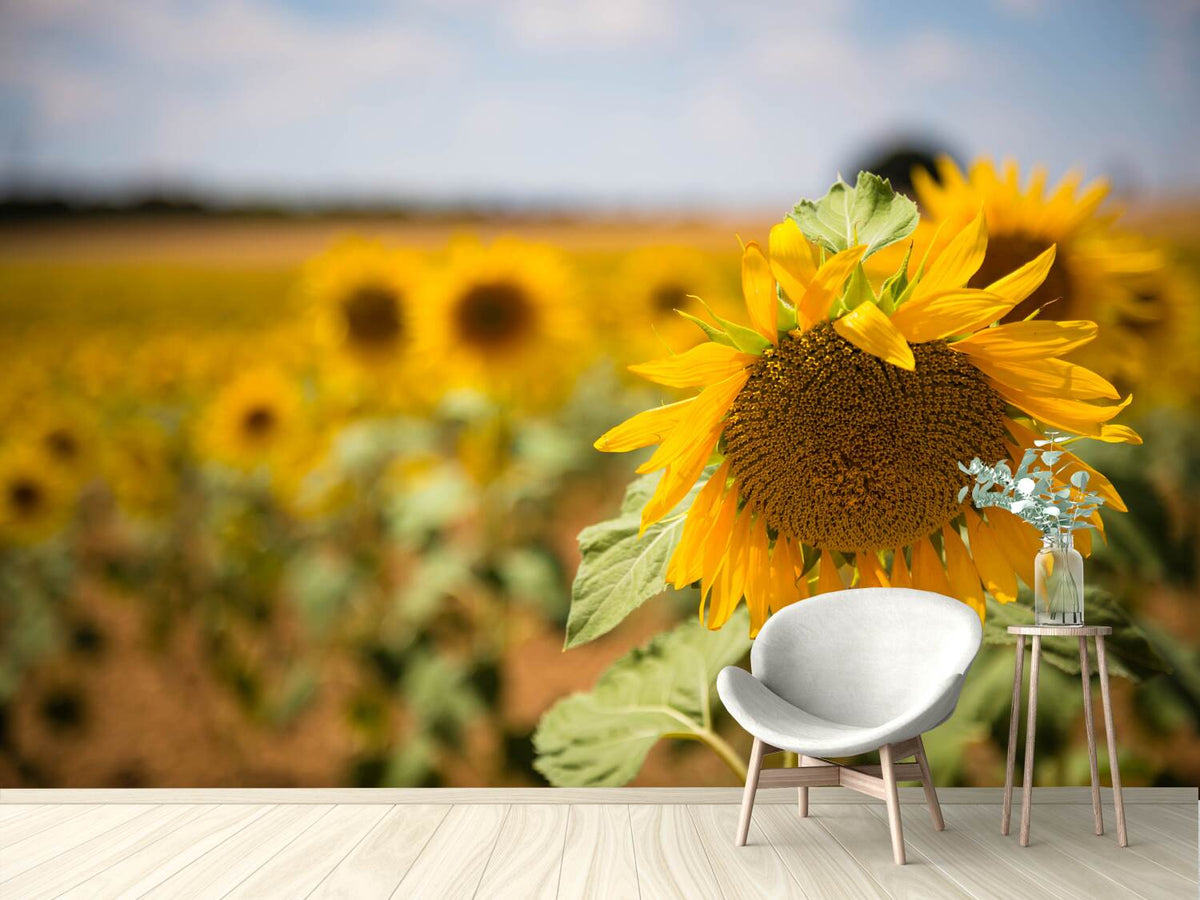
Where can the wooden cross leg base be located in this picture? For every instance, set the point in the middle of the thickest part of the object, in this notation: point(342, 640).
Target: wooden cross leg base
point(1082, 633)
point(876, 781)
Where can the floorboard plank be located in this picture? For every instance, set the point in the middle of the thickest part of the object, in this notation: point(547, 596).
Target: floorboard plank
point(527, 858)
point(670, 858)
point(221, 869)
point(1145, 863)
point(136, 873)
point(36, 819)
point(1049, 863)
point(867, 840)
point(755, 870)
point(377, 865)
point(598, 859)
point(818, 863)
point(301, 865)
point(959, 858)
point(62, 838)
point(62, 872)
point(452, 863)
point(1182, 832)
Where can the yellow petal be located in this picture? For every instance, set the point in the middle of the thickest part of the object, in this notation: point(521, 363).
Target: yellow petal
point(870, 330)
point(828, 579)
point(1029, 341)
point(1022, 282)
point(791, 259)
point(927, 571)
point(997, 575)
point(678, 478)
point(1083, 541)
point(1053, 377)
point(900, 577)
point(960, 572)
point(785, 588)
point(731, 582)
point(644, 429)
point(870, 572)
point(1074, 416)
point(1069, 464)
point(1018, 541)
point(826, 286)
point(960, 260)
point(717, 543)
point(1118, 434)
point(703, 416)
point(702, 365)
point(947, 313)
point(758, 287)
point(686, 566)
point(758, 572)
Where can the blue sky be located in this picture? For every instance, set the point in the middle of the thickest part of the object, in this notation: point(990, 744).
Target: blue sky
point(609, 102)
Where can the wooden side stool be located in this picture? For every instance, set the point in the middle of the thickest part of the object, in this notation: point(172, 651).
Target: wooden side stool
point(1082, 632)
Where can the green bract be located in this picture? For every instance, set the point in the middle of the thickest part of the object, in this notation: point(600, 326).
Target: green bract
point(869, 213)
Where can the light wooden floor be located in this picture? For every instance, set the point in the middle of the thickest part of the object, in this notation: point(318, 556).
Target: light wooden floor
point(610, 844)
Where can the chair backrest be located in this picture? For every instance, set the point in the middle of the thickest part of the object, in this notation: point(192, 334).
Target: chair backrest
point(863, 656)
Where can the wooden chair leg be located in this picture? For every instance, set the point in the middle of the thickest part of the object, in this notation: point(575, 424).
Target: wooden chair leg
point(931, 797)
point(1113, 769)
point(1030, 734)
point(752, 770)
point(1014, 721)
point(1086, 676)
point(803, 792)
point(893, 803)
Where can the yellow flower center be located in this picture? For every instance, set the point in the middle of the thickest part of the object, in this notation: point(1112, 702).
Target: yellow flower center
point(1008, 252)
point(493, 315)
point(373, 316)
point(840, 450)
point(25, 497)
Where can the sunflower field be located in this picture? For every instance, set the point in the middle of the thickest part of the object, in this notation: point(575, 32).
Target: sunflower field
point(299, 504)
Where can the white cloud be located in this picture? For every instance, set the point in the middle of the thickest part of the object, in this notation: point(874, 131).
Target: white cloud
point(575, 24)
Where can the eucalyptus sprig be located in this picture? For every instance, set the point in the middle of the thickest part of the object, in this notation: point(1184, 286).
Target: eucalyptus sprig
point(1030, 491)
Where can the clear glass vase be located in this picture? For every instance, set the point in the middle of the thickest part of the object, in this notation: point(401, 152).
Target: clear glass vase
point(1058, 582)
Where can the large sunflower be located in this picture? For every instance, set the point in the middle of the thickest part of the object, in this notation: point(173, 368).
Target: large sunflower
point(501, 318)
point(833, 427)
point(1097, 270)
point(34, 502)
point(254, 420)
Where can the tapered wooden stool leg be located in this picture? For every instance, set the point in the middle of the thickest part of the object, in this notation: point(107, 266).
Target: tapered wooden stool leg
point(752, 770)
point(1086, 675)
point(1110, 733)
point(931, 798)
point(1014, 721)
point(1030, 733)
point(803, 792)
point(893, 803)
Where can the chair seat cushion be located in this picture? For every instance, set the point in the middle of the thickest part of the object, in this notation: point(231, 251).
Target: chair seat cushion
point(784, 726)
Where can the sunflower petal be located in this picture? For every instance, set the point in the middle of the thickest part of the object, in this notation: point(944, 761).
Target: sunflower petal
point(1029, 341)
point(928, 574)
point(826, 286)
point(717, 542)
point(1118, 434)
point(1022, 282)
point(961, 259)
point(1070, 464)
point(785, 590)
point(730, 585)
point(686, 565)
point(868, 329)
point(702, 365)
point(870, 572)
point(947, 313)
point(678, 478)
point(791, 259)
point(1051, 377)
point(964, 580)
point(758, 580)
point(644, 429)
point(900, 575)
point(994, 571)
point(758, 287)
point(828, 579)
point(1074, 416)
point(708, 409)
point(1017, 540)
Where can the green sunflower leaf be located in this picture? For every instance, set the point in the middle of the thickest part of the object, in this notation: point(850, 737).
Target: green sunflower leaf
point(618, 570)
point(869, 213)
point(600, 738)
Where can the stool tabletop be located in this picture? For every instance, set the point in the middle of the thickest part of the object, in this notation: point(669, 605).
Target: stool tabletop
point(1061, 630)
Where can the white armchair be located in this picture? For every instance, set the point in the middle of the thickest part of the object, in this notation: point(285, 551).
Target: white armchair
point(847, 673)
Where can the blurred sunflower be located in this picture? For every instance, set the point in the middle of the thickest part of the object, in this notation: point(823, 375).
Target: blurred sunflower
point(649, 286)
point(254, 420)
point(138, 465)
point(502, 319)
point(66, 440)
point(34, 502)
point(1095, 271)
point(362, 296)
point(837, 422)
